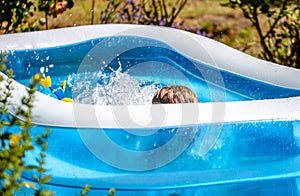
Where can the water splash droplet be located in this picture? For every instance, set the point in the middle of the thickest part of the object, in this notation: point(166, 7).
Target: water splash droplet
point(114, 88)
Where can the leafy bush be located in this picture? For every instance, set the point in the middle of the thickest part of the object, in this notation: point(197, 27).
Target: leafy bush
point(54, 7)
point(146, 12)
point(14, 15)
point(16, 144)
point(277, 25)
point(17, 15)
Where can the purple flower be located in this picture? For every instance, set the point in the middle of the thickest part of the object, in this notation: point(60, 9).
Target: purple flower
point(130, 2)
point(162, 23)
point(181, 23)
point(136, 15)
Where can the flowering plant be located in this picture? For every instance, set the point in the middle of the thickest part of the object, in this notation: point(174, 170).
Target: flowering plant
point(54, 7)
point(147, 12)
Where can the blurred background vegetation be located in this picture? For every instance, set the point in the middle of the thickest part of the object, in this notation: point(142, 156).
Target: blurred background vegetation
point(267, 29)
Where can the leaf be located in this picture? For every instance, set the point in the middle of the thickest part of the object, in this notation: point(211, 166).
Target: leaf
point(265, 8)
point(47, 192)
point(45, 179)
point(85, 189)
point(28, 185)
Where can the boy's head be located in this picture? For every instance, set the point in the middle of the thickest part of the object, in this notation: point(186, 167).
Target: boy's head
point(174, 94)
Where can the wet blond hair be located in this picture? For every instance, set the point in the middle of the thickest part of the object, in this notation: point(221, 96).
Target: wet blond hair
point(174, 94)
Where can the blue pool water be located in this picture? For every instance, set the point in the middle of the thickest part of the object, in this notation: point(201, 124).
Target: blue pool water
point(248, 158)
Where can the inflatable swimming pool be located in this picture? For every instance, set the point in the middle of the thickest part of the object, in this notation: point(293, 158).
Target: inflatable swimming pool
point(242, 138)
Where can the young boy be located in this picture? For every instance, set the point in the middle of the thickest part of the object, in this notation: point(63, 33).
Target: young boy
point(174, 94)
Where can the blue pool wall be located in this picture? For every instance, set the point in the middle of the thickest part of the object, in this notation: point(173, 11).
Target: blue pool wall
point(264, 188)
point(68, 59)
point(240, 145)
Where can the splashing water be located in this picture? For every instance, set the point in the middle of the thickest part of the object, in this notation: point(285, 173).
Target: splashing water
point(115, 88)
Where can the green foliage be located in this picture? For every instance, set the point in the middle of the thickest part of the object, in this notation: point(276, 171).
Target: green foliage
point(277, 24)
point(17, 15)
point(15, 144)
point(148, 12)
point(14, 15)
point(54, 7)
point(85, 190)
point(41, 178)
